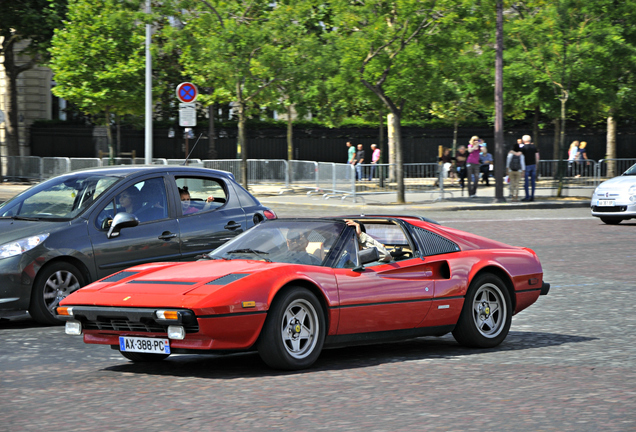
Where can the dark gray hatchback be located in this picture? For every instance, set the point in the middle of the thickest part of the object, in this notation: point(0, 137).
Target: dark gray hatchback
point(80, 227)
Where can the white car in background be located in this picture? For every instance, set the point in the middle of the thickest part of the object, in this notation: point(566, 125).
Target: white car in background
point(614, 200)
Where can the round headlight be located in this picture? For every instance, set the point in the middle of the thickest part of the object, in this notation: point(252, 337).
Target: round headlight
point(632, 190)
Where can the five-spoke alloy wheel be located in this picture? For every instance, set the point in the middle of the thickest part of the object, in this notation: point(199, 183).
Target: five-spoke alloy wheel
point(487, 313)
point(294, 332)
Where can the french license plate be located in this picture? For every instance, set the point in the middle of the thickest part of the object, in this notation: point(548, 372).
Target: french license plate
point(144, 345)
point(606, 203)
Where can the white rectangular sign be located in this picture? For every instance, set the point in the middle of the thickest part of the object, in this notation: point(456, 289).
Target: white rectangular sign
point(187, 114)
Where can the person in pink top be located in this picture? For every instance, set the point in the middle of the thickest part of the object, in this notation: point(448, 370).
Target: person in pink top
point(375, 158)
point(472, 165)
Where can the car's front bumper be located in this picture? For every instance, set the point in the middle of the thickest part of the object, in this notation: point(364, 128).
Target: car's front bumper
point(622, 208)
point(16, 279)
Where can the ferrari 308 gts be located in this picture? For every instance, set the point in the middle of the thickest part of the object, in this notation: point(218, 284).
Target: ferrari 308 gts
point(290, 287)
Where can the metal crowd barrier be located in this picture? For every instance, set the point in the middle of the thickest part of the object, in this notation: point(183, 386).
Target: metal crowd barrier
point(608, 168)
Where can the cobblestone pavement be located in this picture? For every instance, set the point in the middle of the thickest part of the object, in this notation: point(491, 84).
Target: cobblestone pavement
point(568, 364)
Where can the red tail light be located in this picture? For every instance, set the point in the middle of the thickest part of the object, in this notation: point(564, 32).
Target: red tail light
point(270, 214)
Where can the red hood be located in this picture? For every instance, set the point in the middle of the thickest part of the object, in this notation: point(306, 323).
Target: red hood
point(166, 284)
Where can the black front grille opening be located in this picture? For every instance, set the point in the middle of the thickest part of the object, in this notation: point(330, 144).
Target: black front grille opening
point(117, 324)
point(613, 209)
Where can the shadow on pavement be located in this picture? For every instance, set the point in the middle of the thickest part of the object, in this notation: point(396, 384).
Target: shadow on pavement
point(244, 365)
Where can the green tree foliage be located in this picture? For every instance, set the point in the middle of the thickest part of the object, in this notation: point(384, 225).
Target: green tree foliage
point(98, 58)
point(385, 47)
point(29, 23)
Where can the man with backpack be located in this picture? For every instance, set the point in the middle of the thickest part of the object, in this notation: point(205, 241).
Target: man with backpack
point(515, 165)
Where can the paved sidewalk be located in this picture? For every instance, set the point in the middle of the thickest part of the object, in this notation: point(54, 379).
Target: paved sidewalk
point(452, 199)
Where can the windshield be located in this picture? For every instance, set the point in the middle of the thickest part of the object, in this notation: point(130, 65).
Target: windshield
point(59, 198)
point(631, 171)
point(294, 242)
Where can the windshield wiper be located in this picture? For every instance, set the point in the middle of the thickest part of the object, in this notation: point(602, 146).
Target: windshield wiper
point(25, 218)
point(258, 253)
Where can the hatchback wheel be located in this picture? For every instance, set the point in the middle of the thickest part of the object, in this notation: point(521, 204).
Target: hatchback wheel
point(52, 284)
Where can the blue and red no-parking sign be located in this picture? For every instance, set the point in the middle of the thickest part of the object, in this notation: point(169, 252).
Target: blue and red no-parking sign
point(187, 92)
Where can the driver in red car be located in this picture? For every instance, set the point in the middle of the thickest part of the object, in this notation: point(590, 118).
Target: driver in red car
point(297, 254)
point(365, 241)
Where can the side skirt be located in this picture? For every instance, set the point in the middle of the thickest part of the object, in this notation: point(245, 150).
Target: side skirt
point(338, 341)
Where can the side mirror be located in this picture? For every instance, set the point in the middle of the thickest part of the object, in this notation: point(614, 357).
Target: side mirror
point(121, 220)
point(366, 256)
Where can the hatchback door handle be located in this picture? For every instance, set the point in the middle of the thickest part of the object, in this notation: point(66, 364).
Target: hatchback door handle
point(232, 225)
point(167, 235)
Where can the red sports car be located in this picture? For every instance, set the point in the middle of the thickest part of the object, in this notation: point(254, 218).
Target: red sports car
point(291, 287)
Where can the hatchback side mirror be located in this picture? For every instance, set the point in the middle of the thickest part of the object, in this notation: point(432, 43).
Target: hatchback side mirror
point(121, 220)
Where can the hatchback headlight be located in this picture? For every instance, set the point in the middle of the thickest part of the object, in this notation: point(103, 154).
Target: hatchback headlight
point(18, 247)
point(632, 193)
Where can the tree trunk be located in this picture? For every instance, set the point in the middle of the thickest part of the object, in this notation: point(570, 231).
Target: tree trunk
point(290, 134)
point(564, 99)
point(109, 137)
point(557, 134)
point(499, 106)
point(455, 127)
point(611, 146)
point(391, 145)
point(535, 126)
point(242, 142)
point(399, 163)
point(211, 132)
point(12, 137)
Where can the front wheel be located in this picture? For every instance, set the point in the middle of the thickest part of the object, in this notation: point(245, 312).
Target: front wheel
point(487, 313)
point(52, 284)
point(294, 331)
point(611, 221)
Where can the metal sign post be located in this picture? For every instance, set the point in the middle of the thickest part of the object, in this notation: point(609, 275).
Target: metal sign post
point(187, 93)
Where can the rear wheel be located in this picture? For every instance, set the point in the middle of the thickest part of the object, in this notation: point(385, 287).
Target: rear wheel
point(611, 221)
point(294, 331)
point(143, 357)
point(486, 315)
point(52, 284)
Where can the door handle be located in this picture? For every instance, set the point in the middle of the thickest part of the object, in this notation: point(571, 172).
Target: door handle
point(232, 225)
point(167, 235)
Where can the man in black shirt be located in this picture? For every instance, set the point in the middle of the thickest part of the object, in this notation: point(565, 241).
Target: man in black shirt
point(531, 156)
point(358, 161)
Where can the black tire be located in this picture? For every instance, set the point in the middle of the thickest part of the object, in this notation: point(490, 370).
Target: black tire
point(487, 313)
point(611, 221)
point(52, 284)
point(294, 331)
point(143, 357)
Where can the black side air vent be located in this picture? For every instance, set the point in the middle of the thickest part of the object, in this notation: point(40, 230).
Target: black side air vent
point(227, 279)
point(119, 276)
point(434, 244)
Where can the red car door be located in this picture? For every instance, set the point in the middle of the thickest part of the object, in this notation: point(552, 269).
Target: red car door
point(392, 296)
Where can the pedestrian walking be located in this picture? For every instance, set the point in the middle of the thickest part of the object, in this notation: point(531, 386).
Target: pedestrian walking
point(485, 163)
point(582, 159)
point(375, 158)
point(460, 165)
point(531, 155)
point(472, 166)
point(351, 153)
point(359, 160)
point(573, 153)
point(515, 165)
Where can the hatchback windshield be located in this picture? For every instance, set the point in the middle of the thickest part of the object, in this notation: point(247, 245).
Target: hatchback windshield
point(631, 171)
point(295, 242)
point(60, 198)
